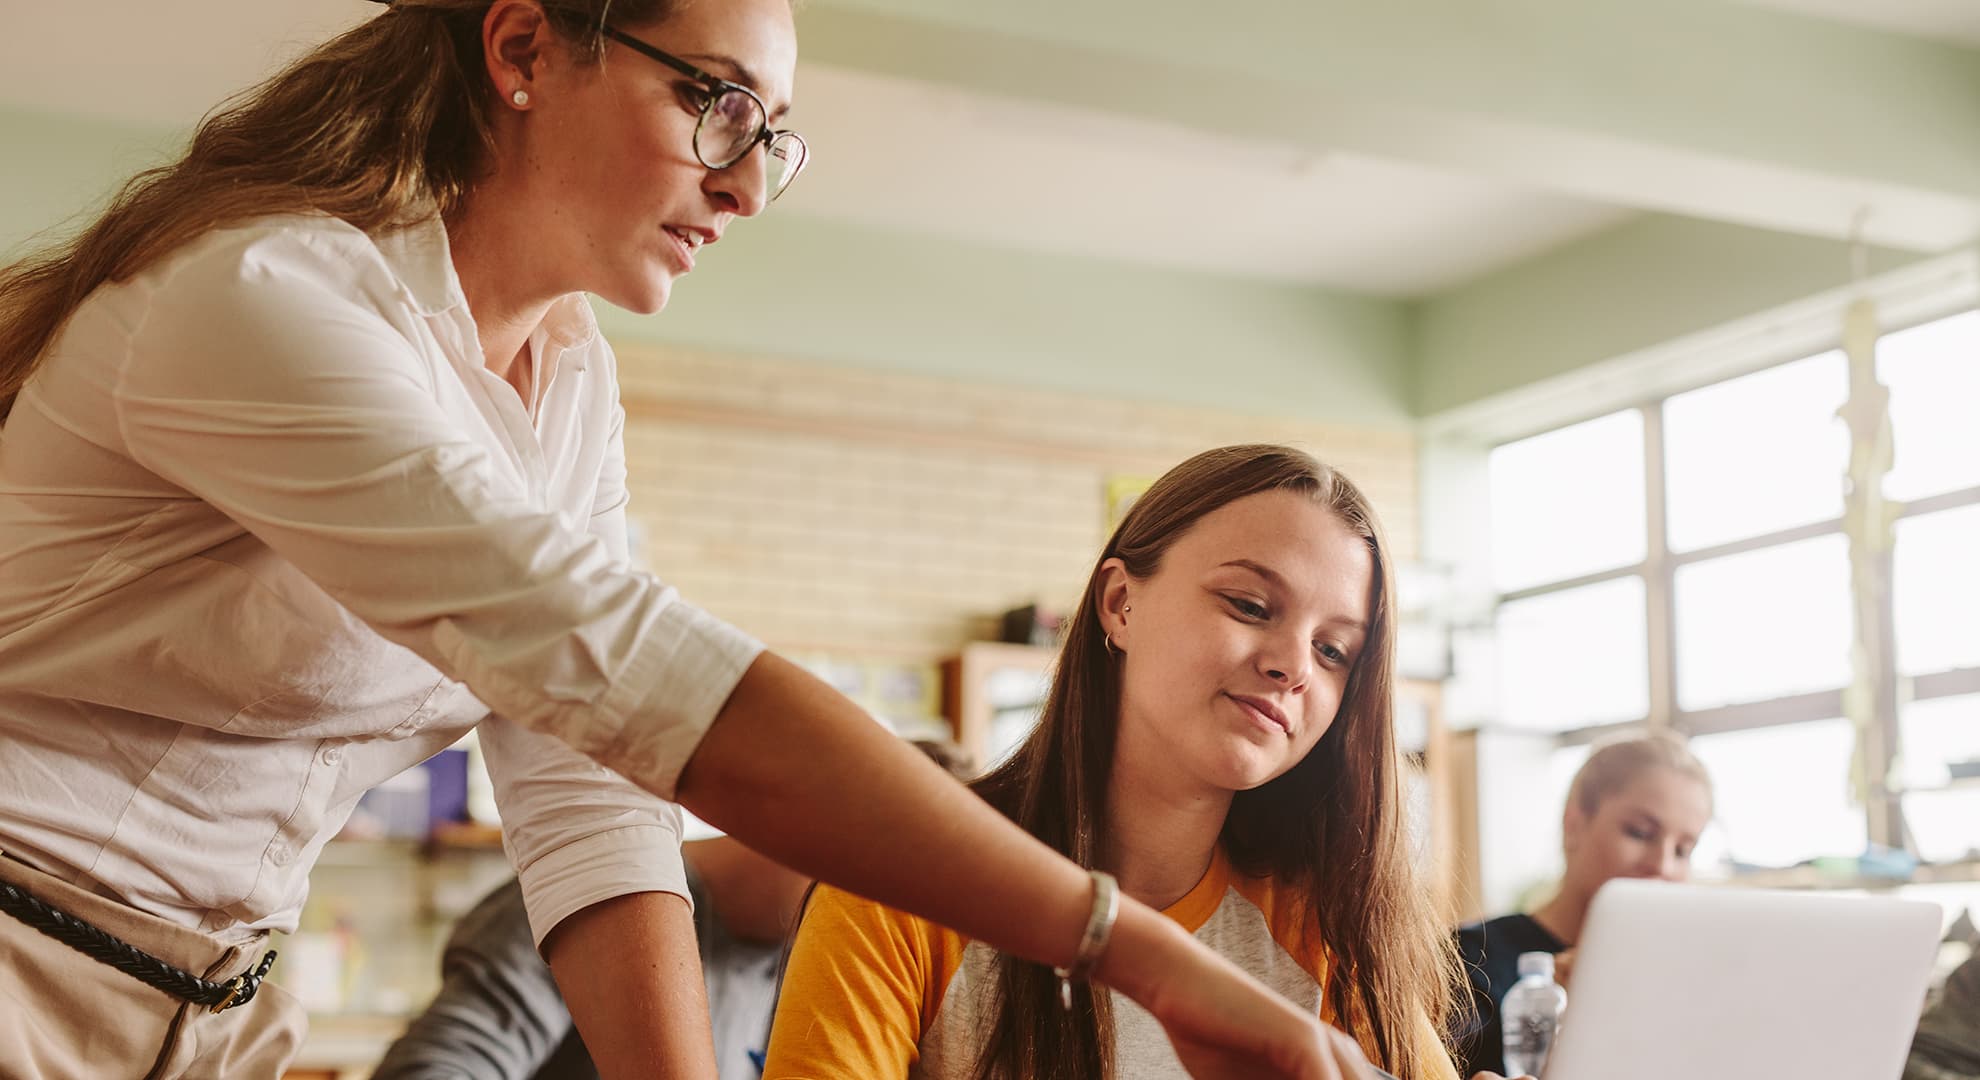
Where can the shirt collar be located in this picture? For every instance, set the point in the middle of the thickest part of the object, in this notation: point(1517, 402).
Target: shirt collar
point(570, 323)
point(421, 259)
point(1202, 901)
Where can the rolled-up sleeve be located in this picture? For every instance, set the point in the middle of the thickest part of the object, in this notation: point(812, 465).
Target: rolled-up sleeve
point(579, 833)
point(266, 381)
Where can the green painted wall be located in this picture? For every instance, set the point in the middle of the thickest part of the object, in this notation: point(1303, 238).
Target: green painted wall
point(790, 286)
point(53, 168)
point(1642, 283)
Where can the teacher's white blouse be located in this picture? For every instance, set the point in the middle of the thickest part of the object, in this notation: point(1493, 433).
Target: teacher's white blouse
point(270, 532)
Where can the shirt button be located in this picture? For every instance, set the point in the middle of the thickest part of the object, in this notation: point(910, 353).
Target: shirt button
point(279, 853)
point(333, 755)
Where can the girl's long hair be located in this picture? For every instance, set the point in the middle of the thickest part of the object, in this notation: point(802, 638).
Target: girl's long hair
point(1331, 828)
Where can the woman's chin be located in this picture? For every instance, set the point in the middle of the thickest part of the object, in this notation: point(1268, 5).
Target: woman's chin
point(646, 297)
point(1242, 772)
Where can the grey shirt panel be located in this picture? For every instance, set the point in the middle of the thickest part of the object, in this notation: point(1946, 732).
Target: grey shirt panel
point(500, 1016)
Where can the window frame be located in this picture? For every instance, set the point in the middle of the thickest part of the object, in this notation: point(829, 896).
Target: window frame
point(1658, 571)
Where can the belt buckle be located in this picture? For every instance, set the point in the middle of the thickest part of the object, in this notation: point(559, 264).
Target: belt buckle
point(234, 988)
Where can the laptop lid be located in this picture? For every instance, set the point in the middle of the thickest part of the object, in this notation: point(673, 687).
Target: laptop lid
point(1712, 983)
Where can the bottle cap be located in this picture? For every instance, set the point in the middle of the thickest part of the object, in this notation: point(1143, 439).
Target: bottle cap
point(1536, 963)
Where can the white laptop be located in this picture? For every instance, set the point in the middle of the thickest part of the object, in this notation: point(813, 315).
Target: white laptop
point(1675, 982)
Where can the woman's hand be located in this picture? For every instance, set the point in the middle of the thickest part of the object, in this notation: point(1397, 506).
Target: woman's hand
point(1563, 967)
point(1223, 1024)
point(1275, 1040)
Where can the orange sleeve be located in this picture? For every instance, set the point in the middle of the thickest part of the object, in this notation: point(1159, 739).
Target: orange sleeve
point(863, 984)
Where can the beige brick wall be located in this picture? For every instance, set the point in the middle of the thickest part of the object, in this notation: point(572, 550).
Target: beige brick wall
point(825, 508)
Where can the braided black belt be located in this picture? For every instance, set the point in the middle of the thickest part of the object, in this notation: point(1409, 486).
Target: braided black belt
point(132, 961)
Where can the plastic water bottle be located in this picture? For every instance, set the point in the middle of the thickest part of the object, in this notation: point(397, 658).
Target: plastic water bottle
point(1531, 1015)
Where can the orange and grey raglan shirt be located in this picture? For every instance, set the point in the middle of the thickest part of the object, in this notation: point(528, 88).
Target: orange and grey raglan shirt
point(877, 994)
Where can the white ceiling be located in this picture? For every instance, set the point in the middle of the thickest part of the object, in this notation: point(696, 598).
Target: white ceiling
point(1070, 181)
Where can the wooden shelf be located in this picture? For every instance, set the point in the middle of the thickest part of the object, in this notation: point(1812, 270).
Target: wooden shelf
point(966, 683)
point(466, 836)
point(448, 840)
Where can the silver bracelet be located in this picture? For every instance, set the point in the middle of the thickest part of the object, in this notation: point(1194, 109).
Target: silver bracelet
point(1093, 942)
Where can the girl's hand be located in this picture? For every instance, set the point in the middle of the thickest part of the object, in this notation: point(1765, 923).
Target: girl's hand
point(1563, 967)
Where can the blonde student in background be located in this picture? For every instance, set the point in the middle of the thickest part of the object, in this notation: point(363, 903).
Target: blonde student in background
point(1218, 744)
point(1635, 810)
point(313, 459)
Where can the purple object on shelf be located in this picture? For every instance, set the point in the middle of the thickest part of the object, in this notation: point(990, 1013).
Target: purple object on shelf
point(447, 792)
point(396, 808)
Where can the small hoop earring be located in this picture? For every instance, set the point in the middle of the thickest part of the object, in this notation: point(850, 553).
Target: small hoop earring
point(1112, 649)
point(520, 97)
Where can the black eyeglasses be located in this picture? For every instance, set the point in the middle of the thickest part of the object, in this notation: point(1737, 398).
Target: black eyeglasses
point(733, 121)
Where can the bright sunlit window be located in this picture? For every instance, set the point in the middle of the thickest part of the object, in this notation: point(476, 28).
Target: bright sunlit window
point(1936, 591)
point(1756, 454)
point(1752, 576)
point(1934, 375)
point(1782, 793)
point(1940, 771)
point(1568, 503)
point(1941, 774)
point(1763, 624)
point(1574, 658)
point(1941, 740)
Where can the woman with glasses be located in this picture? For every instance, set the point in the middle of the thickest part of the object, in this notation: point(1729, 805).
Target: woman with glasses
point(312, 460)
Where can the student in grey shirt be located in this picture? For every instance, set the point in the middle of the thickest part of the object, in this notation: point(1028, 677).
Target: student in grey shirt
point(1947, 1046)
point(499, 1015)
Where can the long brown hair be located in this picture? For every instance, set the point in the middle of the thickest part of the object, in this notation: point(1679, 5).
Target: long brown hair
point(1331, 828)
point(380, 126)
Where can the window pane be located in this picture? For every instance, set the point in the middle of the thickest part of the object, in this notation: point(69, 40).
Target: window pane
point(1939, 759)
point(1934, 375)
point(1935, 589)
point(1756, 454)
point(1574, 658)
point(1562, 764)
point(1569, 502)
point(1939, 742)
point(1945, 825)
point(1782, 793)
point(1763, 624)
point(1526, 847)
point(1016, 696)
